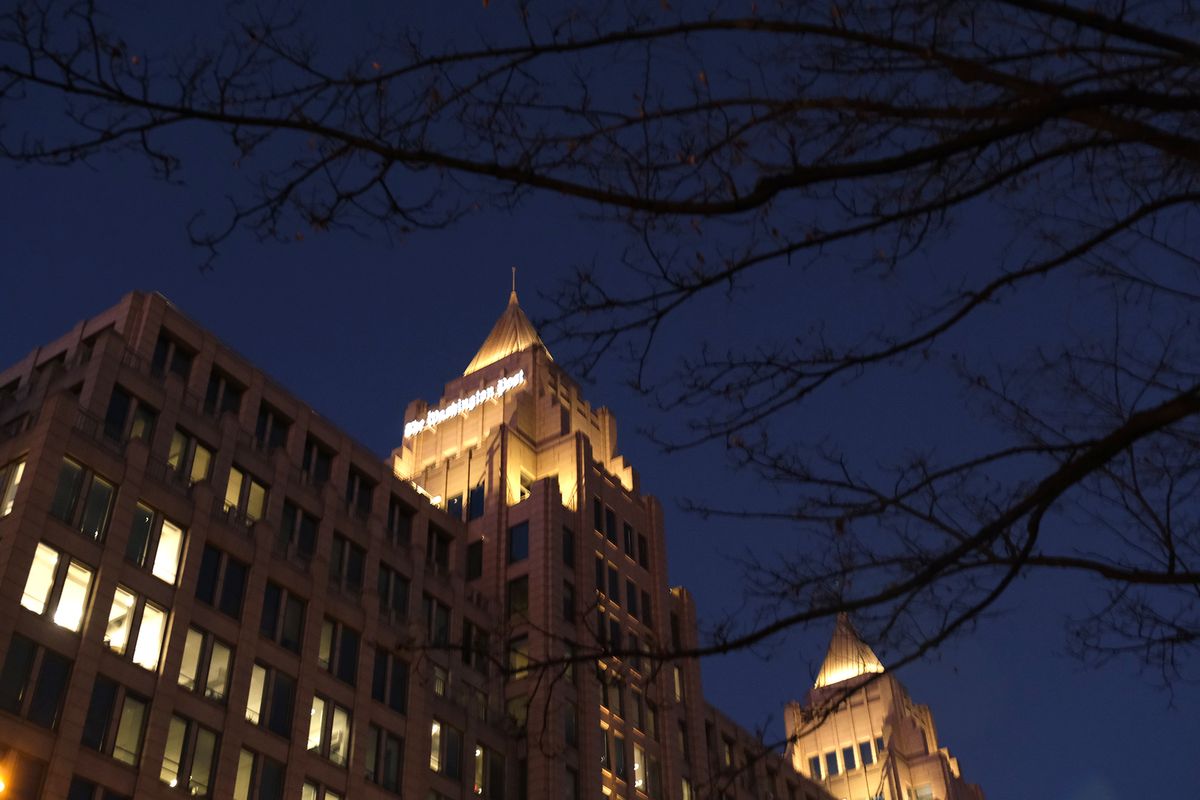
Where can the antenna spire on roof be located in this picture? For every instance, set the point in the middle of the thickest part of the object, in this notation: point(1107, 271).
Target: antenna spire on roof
point(514, 269)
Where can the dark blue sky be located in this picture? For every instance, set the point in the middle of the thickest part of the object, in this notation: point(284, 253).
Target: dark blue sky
point(357, 327)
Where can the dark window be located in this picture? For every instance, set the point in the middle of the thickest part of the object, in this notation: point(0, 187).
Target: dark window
point(170, 355)
point(814, 767)
point(338, 651)
point(118, 411)
point(518, 542)
point(848, 758)
point(643, 551)
point(346, 565)
point(115, 721)
point(222, 581)
point(30, 667)
point(454, 506)
point(389, 681)
point(631, 598)
point(568, 547)
point(474, 646)
point(271, 700)
point(568, 601)
point(831, 763)
point(437, 549)
point(437, 621)
point(475, 502)
point(610, 525)
point(297, 533)
point(385, 752)
point(599, 574)
point(271, 430)
point(224, 394)
point(317, 462)
point(614, 584)
point(475, 560)
point(864, 750)
point(82, 499)
point(399, 523)
point(359, 489)
point(620, 767)
point(629, 540)
point(518, 597)
point(282, 617)
point(393, 593)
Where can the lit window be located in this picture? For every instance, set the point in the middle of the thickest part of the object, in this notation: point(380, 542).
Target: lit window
point(270, 699)
point(41, 579)
point(72, 600)
point(639, 767)
point(33, 681)
point(518, 657)
point(329, 730)
point(338, 652)
point(188, 756)
point(155, 542)
point(246, 494)
point(120, 620)
point(10, 479)
point(258, 777)
point(445, 749)
point(189, 457)
point(205, 665)
point(148, 645)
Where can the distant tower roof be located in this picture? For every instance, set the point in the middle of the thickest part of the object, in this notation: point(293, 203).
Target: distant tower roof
point(848, 657)
point(512, 333)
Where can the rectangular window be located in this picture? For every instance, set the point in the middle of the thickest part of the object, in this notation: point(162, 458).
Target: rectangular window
point(134, 619)
point(867, 756)
point(317, 462)
point(475, 647)
point(831, 763)
point(685, 747)
point(614, 584)
point(189, 457)
point(848, 758)
point(518, 598)
point(297, 538)
point(338, 651)
point(385, 754)
point(155, 543)
point(568, 548)
point(329, 730)
point(600, 574)
point(639, 767)
point(282, 619)
point(454, 506)
point(445, 749)
point(629, 539)
point(518, 657)
point(610, 524)
point(638, 701)
point(643, 551)
point(258, 777)
point(393, 594)
point(399, 522)
point(620, 769)
point(10, 481)
point(221, 581)
point(45, 672)
point(170, 356)
point(518, 542)
point(223, 395)
point(115, 721)
point(245, 496)
point(437, 549)
point(83, 499)
point(359, 491)
point(189, 755)
point(631, 598)
point(489, 774)
point(347, 562)
point(647, 617)
point(389, 681)
point(206, 664)
point(475, 502)
point(475, 560)
point(270, 700)
point(128, 416)
point(271, 429)
point(57, 586)
point(437, 621)
point(571, 724)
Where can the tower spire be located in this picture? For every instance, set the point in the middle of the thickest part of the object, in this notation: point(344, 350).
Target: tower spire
point(848, 656)
point(512, 333)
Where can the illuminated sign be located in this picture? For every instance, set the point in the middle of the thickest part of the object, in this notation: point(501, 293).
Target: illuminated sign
point(464, 405)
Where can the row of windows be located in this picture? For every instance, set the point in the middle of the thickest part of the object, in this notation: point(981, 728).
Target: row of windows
point(851, 757)
point(608, 584)
point(635, 545)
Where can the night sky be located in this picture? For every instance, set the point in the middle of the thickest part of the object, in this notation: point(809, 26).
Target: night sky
point(358, 326)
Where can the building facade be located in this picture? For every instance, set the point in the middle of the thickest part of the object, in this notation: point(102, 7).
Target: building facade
point(208, 590)
point(863, 736)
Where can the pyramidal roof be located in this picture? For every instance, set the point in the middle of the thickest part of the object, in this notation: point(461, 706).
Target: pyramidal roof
point(848, 657)
point(512, 333)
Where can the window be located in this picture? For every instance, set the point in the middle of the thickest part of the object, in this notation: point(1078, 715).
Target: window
point(82, 499)
point(271, 429)
point(270, 700)
point(568, 547)
point(115, 721)
point(489, 774)
point(359, 489)
point(399, 522)
point(155, 542)
point(454, 506)
point(258, 777)
point(726, 752)
point(189, 457)
point(605, 749)
point(614, 584)
point(639, 767)
point(475, 502)
point(131, 618)
point(629, 540)
point(189, 755)
point(441, 681)
point(221, 582)
point(437, 621)
point(568, 602)
point(878, 745)
point(610, 524)
point(385, 754)
point(620, 768)
point(651, 727)
point(518, 542)
point(866, 755)
point(329, 730)
point(117, 418)
point(475, 560)
point(83, 789)
point(10, 479)
point(246, 494)
point(297, 533)
point(518, 657)
point(58, 586)
point(678, 673)
point(445, 749)
point(224, 394)
point(437, 549)
point(389, 681)
point(600, 574)
point(687, 792)
point(848, 758)
point(282, 619)
point(338, 651)
point(685, 747)
point(314, 791)
point(171, 356)
point(518, 598)
point(29, 666)
point(393, 594)
point(346, 564)
point(643, 551)
point(831, 763)
point(317, 462)
point(474, 646)
point(631, 598)
point(206, 664)
point(638, 701)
